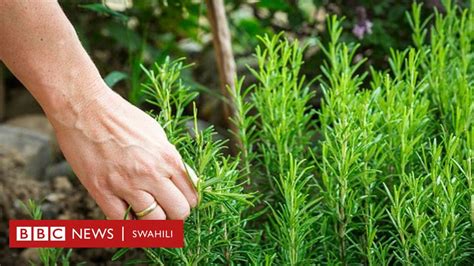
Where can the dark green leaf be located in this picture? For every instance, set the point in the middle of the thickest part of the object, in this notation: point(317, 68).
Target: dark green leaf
point(114, 77)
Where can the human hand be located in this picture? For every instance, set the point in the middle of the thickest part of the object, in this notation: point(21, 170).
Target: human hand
point(122, 156)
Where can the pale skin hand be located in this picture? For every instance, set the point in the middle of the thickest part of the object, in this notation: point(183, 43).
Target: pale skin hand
point(120, 154)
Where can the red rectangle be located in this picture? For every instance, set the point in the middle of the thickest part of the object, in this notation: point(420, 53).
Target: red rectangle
point(96, 233)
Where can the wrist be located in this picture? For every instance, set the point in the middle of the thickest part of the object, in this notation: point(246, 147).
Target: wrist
point(65, 110)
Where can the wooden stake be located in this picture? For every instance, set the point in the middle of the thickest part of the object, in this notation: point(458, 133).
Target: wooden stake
point(222, 42)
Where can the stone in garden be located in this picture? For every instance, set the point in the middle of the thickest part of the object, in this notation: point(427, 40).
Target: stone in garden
point(62, 183)
point(59, 169)
point(37, 123)
point(33, 148)
point(55, 197)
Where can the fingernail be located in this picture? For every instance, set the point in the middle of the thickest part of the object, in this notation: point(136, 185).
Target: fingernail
point(191, 174)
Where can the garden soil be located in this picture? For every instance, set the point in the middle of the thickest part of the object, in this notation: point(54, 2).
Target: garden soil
point(60, 198)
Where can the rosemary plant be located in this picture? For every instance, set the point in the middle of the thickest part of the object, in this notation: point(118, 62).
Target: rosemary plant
point(216, 232)
point(381, 174)
point(282, 131)
point(396, 158)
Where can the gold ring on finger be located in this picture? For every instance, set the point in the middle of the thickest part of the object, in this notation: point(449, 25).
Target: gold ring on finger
point(147, 211)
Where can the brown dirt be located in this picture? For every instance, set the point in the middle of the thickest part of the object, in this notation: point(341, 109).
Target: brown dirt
point(59, 198)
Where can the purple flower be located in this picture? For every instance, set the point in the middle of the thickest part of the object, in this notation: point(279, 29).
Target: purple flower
point(358, 31)
point(363, 25)
point(362, 28)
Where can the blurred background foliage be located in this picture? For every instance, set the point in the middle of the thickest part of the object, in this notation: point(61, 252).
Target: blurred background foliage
point(122, 34)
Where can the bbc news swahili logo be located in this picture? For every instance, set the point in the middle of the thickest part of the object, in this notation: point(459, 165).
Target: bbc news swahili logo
point(96, 233)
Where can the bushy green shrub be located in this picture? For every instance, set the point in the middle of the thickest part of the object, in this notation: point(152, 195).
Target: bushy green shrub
point(378, 175)
point(217, 231)
point(396, 158)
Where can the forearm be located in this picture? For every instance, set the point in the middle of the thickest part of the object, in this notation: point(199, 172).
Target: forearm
point(40, 46)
